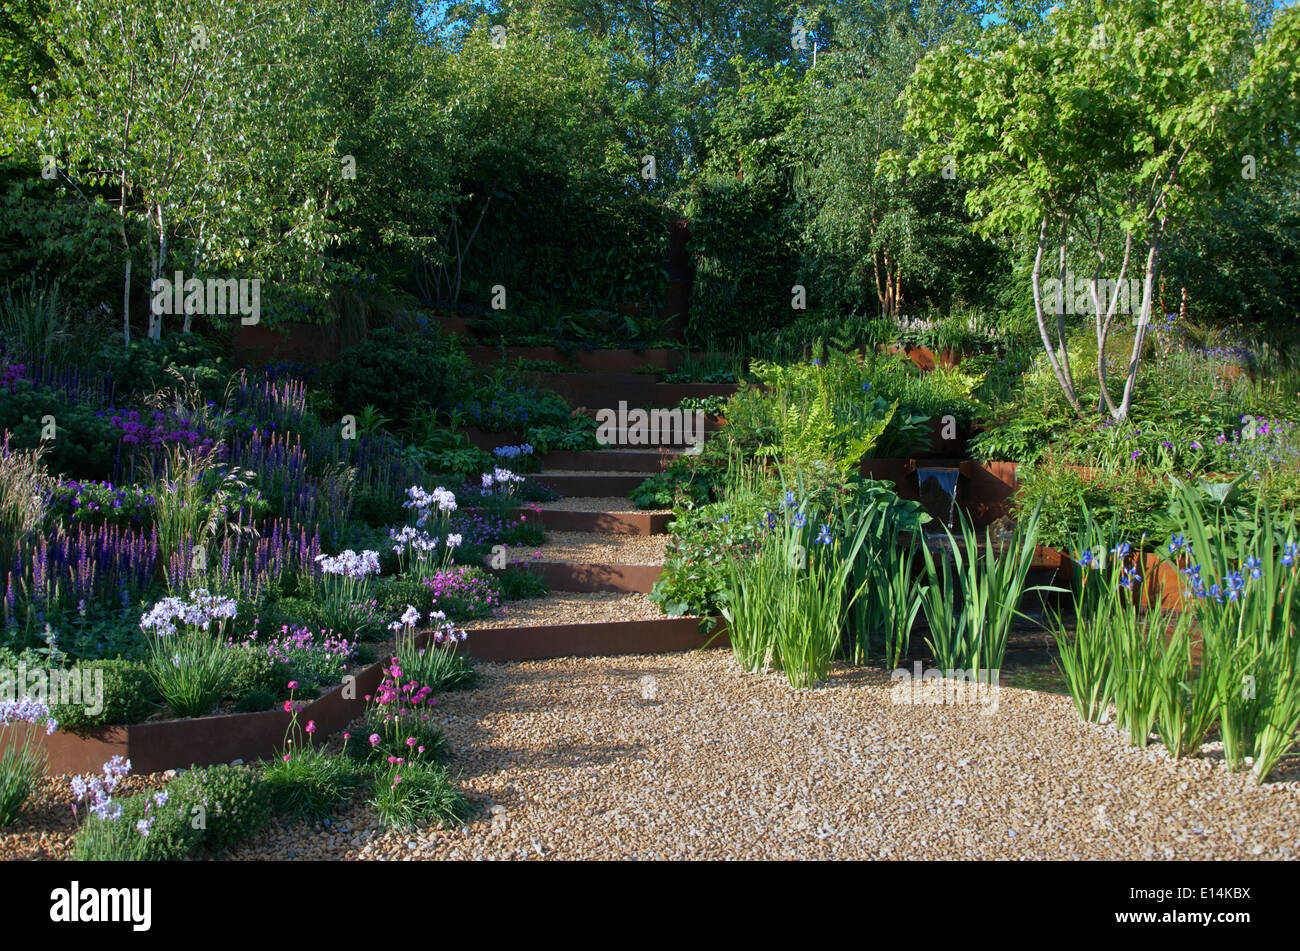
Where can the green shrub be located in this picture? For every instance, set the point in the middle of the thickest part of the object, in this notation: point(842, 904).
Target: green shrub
point(519, 583)
point(288, 613)
point(411, 796)
point(255, 671)
point(378, 372)
point(310, 784)
point(394, 594)
point(129, 696)
point(235, 802)
point(145, 365)
point(376, 508)
point(85, 445)
point(173, 832)
point(256, 700)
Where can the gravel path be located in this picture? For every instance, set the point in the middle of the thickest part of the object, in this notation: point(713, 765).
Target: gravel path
point(680, 756)
point(594, 548)
point(571, 607)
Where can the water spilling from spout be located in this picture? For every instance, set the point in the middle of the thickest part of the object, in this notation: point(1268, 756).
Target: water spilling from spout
point(938, 490)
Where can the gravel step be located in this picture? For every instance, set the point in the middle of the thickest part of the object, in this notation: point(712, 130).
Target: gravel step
point(573, 483)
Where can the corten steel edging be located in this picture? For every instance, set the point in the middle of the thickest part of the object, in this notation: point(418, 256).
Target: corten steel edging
point(174, 744)
point(585, 577)
point(202, 741)
point(594, 484)
point(598, 460)
point(608, 523)
point(984, 491)
point(70, 752)
point(657, 636)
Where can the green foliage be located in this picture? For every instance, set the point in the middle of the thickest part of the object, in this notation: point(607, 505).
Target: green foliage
point(394, 736)
point(20, 767)
point(413, 796)
point(234, 802)
point(173, 833)
point(518, 583)
point(129, 696)
point(146, 366)
point(971, 634)
point(440, 667)
point(310, 784)
point(191, 670)
point(84, 444)
point(257, 700)
point(255, 671)
point(381, 372)
point(1135, 499)
point(394, 594)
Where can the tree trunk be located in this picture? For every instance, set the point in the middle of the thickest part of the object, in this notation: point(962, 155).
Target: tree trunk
point(1066, 384)
point(1148, 292)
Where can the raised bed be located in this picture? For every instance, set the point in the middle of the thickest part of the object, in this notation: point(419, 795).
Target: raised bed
point(173, 744)
point(202, 741)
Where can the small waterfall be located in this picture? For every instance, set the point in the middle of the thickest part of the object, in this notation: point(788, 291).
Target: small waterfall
point(938, 490)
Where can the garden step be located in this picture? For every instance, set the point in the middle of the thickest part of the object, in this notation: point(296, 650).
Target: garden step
point(589, 561)
point(571, 483)
point(595, 548)
point(589, 577)
point(712, 424)
point(609, 516)
point(583, 625)
point(598, 390)
point(619, 459)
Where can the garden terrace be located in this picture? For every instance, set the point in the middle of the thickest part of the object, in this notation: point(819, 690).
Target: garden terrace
point(588, 477)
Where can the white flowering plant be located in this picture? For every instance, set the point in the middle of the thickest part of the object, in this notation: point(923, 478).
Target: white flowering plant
point(346, 604)
point(188, 659)
point(419, 554)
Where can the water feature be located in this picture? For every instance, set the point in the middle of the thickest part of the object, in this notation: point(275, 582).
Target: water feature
point(938, 489)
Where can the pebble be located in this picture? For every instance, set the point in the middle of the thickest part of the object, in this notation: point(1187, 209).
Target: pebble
point(746, 768)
